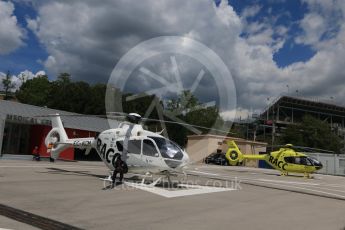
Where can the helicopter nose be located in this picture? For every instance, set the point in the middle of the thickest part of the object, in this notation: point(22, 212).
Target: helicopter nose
point(319, 166)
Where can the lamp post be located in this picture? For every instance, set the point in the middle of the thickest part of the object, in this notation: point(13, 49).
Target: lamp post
point(288, 89)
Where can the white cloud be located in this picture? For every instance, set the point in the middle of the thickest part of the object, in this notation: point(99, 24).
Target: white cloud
point(12, 35)
point(17, 80)
point(251, 11)
point(228, 17)
point(263, 32)
point(238, 114)
point(314, 26)
point(86, 39)
point(322, 23)
point(263, 38)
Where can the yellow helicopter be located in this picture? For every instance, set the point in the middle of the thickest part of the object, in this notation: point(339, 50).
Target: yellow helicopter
point(286, 159)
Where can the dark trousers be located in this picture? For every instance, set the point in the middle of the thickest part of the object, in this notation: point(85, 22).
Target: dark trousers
point(115, 174)
point(36, 157)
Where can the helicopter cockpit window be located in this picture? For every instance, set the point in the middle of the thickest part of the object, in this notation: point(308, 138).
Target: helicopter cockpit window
point(298, 160)
point(168, 149)
point(315, 162)
point(149, 149)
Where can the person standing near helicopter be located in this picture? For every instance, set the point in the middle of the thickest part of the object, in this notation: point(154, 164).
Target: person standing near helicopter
point(120, 165)
point(121, 168)
point(36, 154)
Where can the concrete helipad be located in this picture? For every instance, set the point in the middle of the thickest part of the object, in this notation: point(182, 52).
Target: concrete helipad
point(67, 195)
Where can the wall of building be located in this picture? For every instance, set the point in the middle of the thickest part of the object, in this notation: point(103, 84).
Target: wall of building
point(2, 128)
point(198, 148)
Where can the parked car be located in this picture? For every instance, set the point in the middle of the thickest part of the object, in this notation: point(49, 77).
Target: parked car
point(217, 159)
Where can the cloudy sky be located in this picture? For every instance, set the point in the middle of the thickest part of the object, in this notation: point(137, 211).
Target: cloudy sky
point(270, 47)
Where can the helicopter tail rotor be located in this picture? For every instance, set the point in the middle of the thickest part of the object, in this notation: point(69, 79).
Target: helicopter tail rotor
point(58, 141)
point(55, 137)
point(233, 154)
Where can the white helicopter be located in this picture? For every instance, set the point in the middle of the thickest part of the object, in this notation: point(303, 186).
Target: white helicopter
point(144, 152)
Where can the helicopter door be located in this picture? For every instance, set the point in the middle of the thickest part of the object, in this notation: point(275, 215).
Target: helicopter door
point(134, 152)
point(151, 154)
point(298, 163)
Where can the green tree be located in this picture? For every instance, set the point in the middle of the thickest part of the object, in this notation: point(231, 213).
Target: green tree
point(79, 96)
point(61, 95)
point(70, 96)
point(57, 98)
point(35, 91)
point(188, 108)
point(96, 103)
point(312, 132)
point(8, 85)
point(139, 105)
point(238, 130)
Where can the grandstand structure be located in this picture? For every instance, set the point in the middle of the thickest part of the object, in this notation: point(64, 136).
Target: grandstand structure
point(287, 110)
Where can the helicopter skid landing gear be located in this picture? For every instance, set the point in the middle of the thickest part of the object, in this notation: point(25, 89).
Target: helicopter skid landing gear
point(167, 174)
point(151, 185)
point(307, 176)
point(107, 182)
point(155, 182)
point(284, 173)
point(144, 177)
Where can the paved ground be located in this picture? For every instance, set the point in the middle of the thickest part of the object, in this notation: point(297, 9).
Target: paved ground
point(72, 194)
point(12, 224)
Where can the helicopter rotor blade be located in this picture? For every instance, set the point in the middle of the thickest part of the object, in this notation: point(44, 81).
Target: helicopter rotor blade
point(70, 115)
point(313, 149)
point(309, 149)
point(122, 115)
point(82, 115)
point(186, 124)
point(117, 113)
point(178, 122)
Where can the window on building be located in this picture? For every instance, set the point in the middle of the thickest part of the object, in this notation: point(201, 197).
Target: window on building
point(342, 163)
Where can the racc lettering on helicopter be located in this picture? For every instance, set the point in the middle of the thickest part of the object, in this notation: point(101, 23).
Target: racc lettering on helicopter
point(104, 147)
point(110, 150)
point(106, 153)
point(279, 164)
